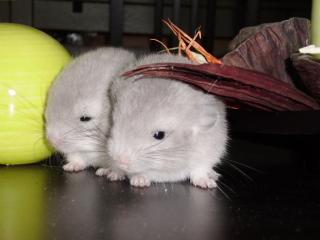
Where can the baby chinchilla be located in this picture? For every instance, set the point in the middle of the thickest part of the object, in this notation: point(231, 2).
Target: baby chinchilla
point(165, 130)
point(78, 108)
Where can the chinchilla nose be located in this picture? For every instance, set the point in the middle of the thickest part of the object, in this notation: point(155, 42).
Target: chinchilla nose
point(123, 161)
point(57, 142)
point(55, 139)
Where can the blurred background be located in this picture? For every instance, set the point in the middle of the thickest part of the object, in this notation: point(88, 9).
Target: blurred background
point(83, 24)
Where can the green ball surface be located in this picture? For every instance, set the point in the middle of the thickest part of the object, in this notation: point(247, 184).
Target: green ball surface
point(29, 61)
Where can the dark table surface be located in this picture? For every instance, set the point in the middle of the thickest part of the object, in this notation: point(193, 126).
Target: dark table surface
point(264, 193)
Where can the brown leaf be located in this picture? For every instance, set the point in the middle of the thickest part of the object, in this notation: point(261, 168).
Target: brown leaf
point(269, 46)
point(237, 84)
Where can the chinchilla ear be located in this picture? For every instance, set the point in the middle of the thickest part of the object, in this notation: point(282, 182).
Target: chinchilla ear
point(211, 113)
point(208, 120)
point(205, 122)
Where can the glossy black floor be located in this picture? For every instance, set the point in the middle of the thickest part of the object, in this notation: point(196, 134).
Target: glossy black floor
point(268, 191)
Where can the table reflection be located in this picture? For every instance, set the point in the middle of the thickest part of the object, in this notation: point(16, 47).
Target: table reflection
point(47, 203)
point(22, 203)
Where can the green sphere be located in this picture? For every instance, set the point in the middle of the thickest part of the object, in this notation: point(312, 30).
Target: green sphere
point(29, 61)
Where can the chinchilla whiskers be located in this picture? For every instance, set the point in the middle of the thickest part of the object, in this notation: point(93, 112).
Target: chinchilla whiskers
point(245, 165)
point(174, 155)
point(70, 131)
point(226, 186)
point(170, 162)
point(172, 149)
point(96, 138)
point(80, 134)
point(84, 138)
point(175, 151)
point(99, 136)
point(164, 155)
point(99, 130)
point(95, 132)
point(92, 134)
point(223, 192)
point(240, 171)
point(153, 145)
point(149, 147)
point(95, 151)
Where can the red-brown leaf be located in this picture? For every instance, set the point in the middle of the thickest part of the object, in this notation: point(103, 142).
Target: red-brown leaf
point(266, 48)
point(235, 83)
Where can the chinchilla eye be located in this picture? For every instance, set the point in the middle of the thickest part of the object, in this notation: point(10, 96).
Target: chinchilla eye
point(85, 118)
point(159, 135)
